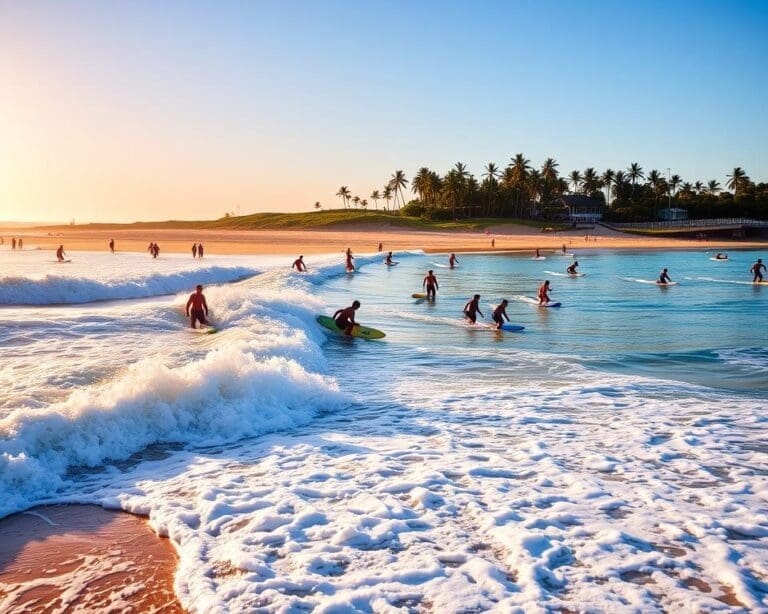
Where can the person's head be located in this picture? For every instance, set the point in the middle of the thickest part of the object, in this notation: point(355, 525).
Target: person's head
point(477, 297)
point(759, 261)
point(546, 282)
point(504, 302)
point(431, 271)
point(576, 263)
point(301, 257)
point(355, 305)
point(665, 270)
point(199, 288)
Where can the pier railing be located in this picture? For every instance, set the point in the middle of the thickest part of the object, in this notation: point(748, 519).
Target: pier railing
point(729, 222)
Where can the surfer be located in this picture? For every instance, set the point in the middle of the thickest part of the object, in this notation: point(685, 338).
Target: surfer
point(112, 245)
point(430, 284)
point(571, 270)
point(299, 265)
point(350, 264)
point(664, 278)
point(381, 246)
point(345, 318)
point(453, 261)
point(500, 313)
point(472, 308)
point(544, 291)
point(720, 256)
point(60, 253)
point(389, 261)
point(194, 250)
point(538, 255)
point(199, 307)
point(757, 271)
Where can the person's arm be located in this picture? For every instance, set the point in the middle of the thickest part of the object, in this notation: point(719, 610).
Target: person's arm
point(504, 313)
point(437, 286)
point(205, 306)
point(424, 283)
point(189, 302)
point(336, 315)
point(480, 312)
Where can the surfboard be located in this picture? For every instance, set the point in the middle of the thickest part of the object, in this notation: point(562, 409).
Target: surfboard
point(535, 302)
point(669, 283)
point(565, 274)
point(512, 328)
point(393, 263)
point(358, 331)
point(567, 255)
point(61, 261)
point(203, 330)
point(719, 259)
point(418, 295)
point(539, 258)
point(445, 266)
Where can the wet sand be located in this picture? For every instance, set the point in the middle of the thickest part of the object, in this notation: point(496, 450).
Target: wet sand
point(360, 239)
point(84, 558)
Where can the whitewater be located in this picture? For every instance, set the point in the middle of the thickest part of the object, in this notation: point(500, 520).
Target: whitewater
point(610, 458)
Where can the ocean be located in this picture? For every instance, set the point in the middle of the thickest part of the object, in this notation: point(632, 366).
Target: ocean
point(611, 456)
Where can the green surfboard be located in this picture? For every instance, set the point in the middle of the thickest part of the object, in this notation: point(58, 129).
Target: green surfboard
point(358, 331)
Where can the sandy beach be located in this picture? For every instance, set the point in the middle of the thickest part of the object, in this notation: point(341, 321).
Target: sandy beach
point(361, 239)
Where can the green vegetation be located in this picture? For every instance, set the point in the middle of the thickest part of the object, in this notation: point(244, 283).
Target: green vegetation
point(322, 219)
point(524, 192)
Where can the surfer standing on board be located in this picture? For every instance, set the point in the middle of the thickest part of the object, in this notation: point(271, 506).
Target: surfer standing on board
point(571, 270)
point(544, 291)
point(299, 265)
point(350, 261)
point(472, 308)
point(388, 261)
point(453, 261)
point(664, 278)
point(199, 307)
point(345, 318)
point(60, 253)
point(430, 284)
point(500, 313)
point(757, 271)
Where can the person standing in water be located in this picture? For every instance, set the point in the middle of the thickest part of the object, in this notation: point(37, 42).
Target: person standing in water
point(381, 246)
point(197, 307)
point(350, 261)
point(500, 313)
point(430, 284)
point(564, 252)
point(388, 260)
point(538, 255)
point(200, 251)
point(112, 246)
point(757, 271)
point(472, 308)
point(194, 250)
point(345, 318)
point(299, 265)
point(21, 243)
point(453, 261)
point(664, 278)
point(571, 270)
point(544, 290)
point(60, 253)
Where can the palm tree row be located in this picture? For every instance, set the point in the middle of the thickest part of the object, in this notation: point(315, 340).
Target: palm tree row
point(522, 190)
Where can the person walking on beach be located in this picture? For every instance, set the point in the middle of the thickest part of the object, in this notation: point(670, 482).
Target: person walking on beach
point(13, 242)
point(430, 285)
point(453, 261)
point(544, 290)
point(757, 271)
point(112, 246)
point(197, 307)
point(345, 318)
point(194, 250)
point(151, 249)
point(156, 251)
point(664, 278)
point(500, 313)
point(472, 308)
point(60, 253)
point(21, 243)
point(493, 242)
point(299, 265)
point(200, 251)
point(571, 270)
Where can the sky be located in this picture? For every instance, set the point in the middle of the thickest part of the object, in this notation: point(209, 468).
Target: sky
point(144, 110)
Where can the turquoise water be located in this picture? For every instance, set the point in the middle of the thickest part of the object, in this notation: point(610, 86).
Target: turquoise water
point(709, 329)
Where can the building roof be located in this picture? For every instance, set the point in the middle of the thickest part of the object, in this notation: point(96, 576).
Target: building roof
point(579, 200)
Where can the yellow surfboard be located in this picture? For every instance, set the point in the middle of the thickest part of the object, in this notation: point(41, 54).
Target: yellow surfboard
point(363, 332)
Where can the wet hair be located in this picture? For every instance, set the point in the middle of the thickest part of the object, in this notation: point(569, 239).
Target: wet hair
point(575, 262)
point(355, 304)
point(300, 257)
point(477, 296)
point(504, 301)
point(431, 271)
point(199, 287)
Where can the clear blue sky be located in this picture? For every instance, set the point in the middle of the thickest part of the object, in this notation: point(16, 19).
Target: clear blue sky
point(154, 110)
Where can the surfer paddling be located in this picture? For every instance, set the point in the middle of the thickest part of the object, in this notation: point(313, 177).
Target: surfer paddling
point(757, 271)
point(430, 284)
point(345, 318)
point(500, 313)
point(60, 253)
point(197, 307)
point(453, 261)
point(472, 308)
point(571, 270)
point(544, 290)
point(720, 256)
point(299, 265)
point(664, 278)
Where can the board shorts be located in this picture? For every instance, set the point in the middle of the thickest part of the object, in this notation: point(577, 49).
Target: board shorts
point(197, 315)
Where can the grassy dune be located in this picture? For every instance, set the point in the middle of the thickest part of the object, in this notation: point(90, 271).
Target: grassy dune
point(317, 220)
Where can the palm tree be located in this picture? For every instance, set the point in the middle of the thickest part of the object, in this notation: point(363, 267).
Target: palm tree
point(713, 187)
point(590, 182)
point(387, 195)
point(375, 196)
point(674, 182)
point(364, 203)
point(737, 181)
point(634, 172)
point(655, 179)
point(398, 182)
point(575, 179)
point(698, 186)
point(356, 201)
point(452, 187)
point(344, 194)
point(549, 169)
point(519, 170)
point(491, 175)
point(318, 206)
point(421, 184)
point(607, 180)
